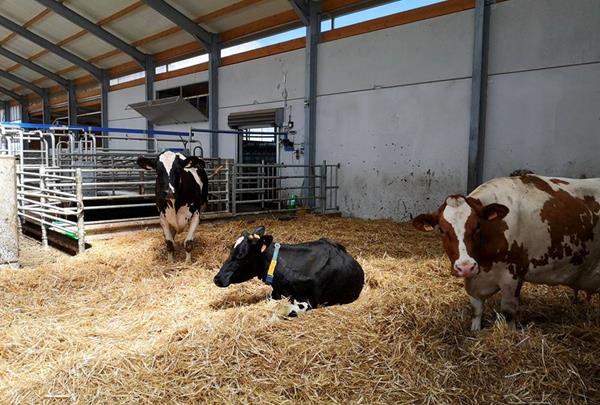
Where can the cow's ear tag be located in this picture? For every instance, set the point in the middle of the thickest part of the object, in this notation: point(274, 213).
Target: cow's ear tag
point(263, 248)
point(492, 215)
point(189, 164)
point(428, 227)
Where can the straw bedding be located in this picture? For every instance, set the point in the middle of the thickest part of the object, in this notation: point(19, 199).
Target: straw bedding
point(121, 325)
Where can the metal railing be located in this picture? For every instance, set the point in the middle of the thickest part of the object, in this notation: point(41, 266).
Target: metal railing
point(72, 181)
point(52, 200)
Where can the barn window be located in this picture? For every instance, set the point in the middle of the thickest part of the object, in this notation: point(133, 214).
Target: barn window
point(196, 94)
point(176, 105)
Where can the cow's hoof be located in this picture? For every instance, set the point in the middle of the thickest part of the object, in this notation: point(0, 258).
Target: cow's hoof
point(170, 257)
point(188, 257)
point(475, 325)
point(297, 308)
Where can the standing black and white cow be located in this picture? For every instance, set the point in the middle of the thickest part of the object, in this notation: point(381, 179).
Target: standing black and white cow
point(181, 194)
point(311, 274)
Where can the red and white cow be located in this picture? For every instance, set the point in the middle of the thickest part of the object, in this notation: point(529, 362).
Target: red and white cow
point(530, 228)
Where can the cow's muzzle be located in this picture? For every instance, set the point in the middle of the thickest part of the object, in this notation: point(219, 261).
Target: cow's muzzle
point(219, 282)
point(466, 270)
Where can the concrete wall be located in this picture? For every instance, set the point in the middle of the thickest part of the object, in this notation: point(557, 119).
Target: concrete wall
point(544, 88)
point(393, 109)
point(393, 105)
point(9, 235)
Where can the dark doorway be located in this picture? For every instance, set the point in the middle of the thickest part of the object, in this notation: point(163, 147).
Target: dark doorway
point(256, 147)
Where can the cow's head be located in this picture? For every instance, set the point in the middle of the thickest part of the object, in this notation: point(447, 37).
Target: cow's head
point(169, 166)
point(246, 258)
point(459, 219)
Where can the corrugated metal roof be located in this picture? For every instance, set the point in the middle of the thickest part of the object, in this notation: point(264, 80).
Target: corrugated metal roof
point(20, 11)
point(130, 20)
point(98, 10)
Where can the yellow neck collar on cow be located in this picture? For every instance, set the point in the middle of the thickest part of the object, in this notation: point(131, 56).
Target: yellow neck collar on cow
point(273, 264)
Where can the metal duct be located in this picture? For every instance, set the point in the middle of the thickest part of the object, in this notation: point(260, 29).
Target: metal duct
point(272, 117)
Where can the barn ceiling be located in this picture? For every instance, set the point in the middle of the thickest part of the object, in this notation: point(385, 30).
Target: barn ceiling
point(133, 22)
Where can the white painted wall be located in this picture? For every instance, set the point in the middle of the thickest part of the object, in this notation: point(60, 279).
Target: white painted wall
point(544, 88)
point(393, 109)
point(393, 105)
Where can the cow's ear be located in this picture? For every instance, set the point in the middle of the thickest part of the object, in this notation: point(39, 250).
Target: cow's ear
point(425, 222)
point(493, 212)
point(260, 231)
point(193, 161)
point(265, 242)
point(146, 163)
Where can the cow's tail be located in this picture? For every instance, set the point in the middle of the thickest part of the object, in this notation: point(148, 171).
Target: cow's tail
point(217, 171)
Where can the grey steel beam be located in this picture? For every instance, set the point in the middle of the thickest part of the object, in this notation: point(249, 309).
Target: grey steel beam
point(25, 83)
point(22, 100)
point(182, 21)
point(478, 95)
point(214, 61)
point(17, 97)
point(72, 103)
point(44, 43)
point(150, 75)
point(301, 7)
point(95, 30)
point(35, 67)
point(313, 36)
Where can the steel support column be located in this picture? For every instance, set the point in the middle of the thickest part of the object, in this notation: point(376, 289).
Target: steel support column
point(478, 94)
point(6, 108)
point(150, 74)
point(72, 103)
point(46, 115)
point(210, 42)
point(24, 111)
point(313, 36)
point(104, 87)
point(213, 94)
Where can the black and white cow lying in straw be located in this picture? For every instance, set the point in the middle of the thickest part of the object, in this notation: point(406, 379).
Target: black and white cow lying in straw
point(181, 193)
point(310, 274)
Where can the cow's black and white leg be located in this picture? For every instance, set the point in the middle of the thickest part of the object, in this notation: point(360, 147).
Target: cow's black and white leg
point(169, 233)
point(478, 305)
point(189, 239)
point(297, 308)
point(290, 309)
